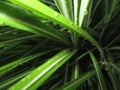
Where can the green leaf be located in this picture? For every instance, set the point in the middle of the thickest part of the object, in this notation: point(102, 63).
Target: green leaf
point(8, 42)
point(76, 7)
point(14, 16)
point(113, 71)
point(65, 7)
point(76, 10)
point(75, 83)
point(98, 71)
point(75, 71)
point(22, 60)
point(81, 56)
point(114, 80)
point(37, 77)
point(42, 10)
point(113, 41)
point(13, 79)
point(83, 10)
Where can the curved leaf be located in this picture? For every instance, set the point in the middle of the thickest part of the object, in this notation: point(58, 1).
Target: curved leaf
point(4, 43)
point(42, 10)
point(75, 83)
point(14, 64)
point(98, 71)
point(13, 16)
point(37, 77)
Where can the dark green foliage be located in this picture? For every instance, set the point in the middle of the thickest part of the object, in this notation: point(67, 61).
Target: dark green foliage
point(60, 44)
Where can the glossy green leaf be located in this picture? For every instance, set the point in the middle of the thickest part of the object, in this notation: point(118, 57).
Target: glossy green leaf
point(13, 79)
point(65, 7)
point(75, 71)
point(114, 80)
point(76, 7)
point(16, 17)
point(114, 48)
point(31, 27)
point(14, 64)
point(43, 72)
point(83, 10)
point(98, 71)
point(66, 72)
point(76, 10)
point(75, 83)
point(8, 42)
point(42, 10)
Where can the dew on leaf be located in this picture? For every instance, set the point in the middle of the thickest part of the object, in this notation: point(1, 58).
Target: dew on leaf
point(69, 31)
point(71, 23)
point(20, 62)
point(12, 88)
point(56, 14)
point(23, 79)
point(85, 12)
point(1, 23)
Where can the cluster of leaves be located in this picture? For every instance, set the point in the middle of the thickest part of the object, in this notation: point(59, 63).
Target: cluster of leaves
point(59, 44)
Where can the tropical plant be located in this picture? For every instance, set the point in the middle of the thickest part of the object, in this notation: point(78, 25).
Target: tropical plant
point(59, 44)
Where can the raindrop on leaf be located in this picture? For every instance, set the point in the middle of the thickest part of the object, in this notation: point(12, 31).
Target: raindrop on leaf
point(1, 23)
point(12, 88)
point(20, 62)
point(69, 31)
point(23, 79)
point(85, 12)
point(71, 23)
point(56, 14)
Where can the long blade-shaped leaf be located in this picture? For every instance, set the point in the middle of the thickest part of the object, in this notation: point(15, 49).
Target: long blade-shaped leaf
point(4, 43)
point(8, 82)
point(82, 12)
point(14, 16)
point(98, 71)
point(42, 73)
point(76, 10)
point(114, 80)
point(111, 70)
point(40, 9)
point(10, 66)
point(14, 64)
point(75, 83)
point(75, 71)
point(65, 7)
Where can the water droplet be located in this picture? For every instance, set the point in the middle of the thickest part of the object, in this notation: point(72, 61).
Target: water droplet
point(69, 31)
point(71, 23)
point(77, 27)
point(56, 14)
point(20, 62)
point(5, 47)
point(1, 23)
point(85, 12)
point(29, 12)
point(23, 79)
point(12, 88)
